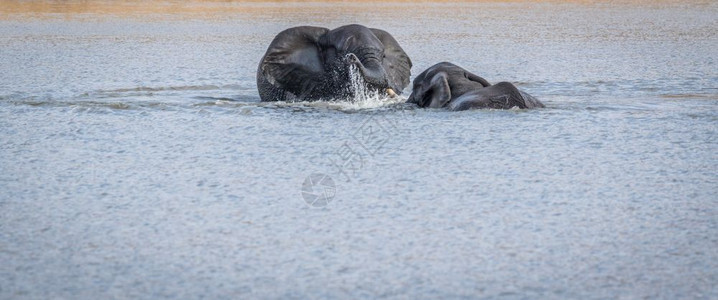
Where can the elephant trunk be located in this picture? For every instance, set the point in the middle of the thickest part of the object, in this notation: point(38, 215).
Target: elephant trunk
point(412, 98)
point(371, 70)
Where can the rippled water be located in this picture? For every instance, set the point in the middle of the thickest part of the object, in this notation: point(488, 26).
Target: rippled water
point(137, 162)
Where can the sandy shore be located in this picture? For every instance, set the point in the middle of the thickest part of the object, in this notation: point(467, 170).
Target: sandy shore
point(208, 8)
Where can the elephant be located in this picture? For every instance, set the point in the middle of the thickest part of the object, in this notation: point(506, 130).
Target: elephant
point(448, 85)
point(309, 63)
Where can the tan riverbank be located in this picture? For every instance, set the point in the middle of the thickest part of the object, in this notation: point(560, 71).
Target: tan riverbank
point(200, 8)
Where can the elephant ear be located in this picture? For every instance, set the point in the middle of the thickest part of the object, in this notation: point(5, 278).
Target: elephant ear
point(293, 60)
point(440, 91)
point(396, 63)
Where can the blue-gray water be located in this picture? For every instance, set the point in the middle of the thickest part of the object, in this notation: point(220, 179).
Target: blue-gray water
point(136, 161)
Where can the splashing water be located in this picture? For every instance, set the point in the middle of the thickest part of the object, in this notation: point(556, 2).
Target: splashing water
point(363, 97)
point(360, 97)
point(358, 86)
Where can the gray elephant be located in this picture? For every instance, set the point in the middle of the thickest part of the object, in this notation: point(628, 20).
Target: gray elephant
point(313, 63)
point(448, 85)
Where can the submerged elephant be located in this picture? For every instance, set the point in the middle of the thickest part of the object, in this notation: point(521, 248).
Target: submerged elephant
point(448, 85)
point(313, 63)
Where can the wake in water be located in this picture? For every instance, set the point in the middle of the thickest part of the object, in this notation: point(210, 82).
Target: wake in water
point(362, 97)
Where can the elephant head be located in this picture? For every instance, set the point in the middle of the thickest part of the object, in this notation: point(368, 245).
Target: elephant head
point(448, 85)
point(312, 63)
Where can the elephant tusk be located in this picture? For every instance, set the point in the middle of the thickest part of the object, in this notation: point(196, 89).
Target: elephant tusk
point(391, 92)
